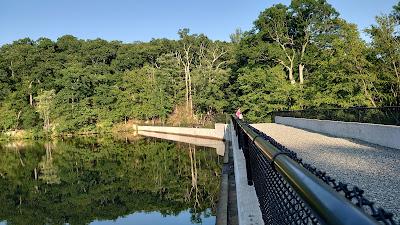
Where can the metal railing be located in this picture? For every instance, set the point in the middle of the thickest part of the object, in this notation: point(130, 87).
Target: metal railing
point(292, 192)
point(389, 115)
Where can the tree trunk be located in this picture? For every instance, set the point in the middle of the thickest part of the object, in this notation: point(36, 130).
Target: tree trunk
point(18, 117)
point(12, 70)
point(301, 76)
point(186, 61)
point(30, 94)
point(301, 65)
point(398, 84)
point(367, 94)
point(187, 88)
point(291, 78)
point(190, 97)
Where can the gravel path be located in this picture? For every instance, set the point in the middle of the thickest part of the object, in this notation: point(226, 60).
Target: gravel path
point(374, 169)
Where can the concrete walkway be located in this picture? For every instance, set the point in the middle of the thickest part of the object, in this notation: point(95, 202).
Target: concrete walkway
point(248, 207)
point(373, 168)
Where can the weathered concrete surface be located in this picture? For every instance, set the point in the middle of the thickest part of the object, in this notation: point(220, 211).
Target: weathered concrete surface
point(212, 143)
point(222, 207)
point(232, 196)
point(217, 133)
point(222, 210)
point(373, 168)
point(232, 208)
point(249, 212)
point(385, 135)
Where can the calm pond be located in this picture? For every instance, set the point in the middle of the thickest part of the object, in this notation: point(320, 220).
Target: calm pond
point(103, 180)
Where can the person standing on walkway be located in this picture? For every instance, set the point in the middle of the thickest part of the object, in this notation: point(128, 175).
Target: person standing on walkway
point(239, 114)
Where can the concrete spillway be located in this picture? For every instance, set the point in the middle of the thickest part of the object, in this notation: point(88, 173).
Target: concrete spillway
point(211, 143)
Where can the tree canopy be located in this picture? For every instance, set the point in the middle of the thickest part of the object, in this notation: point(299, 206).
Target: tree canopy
point(297, 56)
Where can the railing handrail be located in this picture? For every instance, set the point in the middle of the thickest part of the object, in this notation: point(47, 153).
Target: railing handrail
point(386, 115)
point(327, 205)
point(335, 109)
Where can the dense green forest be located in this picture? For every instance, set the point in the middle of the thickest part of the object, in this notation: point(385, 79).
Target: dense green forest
point(298, 56)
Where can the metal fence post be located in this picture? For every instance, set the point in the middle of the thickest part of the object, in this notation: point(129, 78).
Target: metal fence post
point(246, 152)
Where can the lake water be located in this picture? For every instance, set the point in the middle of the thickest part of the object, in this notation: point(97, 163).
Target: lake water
point(106, 180)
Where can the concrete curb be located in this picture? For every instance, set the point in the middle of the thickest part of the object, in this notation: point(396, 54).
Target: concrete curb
point(223, 201)
point(222, 209)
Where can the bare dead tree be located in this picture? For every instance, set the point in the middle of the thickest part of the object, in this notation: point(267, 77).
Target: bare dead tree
point(185, 59)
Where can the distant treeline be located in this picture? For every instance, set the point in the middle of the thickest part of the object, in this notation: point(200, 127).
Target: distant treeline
point(298, 56)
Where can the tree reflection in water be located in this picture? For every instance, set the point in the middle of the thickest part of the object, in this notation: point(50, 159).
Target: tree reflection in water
point(79, 180)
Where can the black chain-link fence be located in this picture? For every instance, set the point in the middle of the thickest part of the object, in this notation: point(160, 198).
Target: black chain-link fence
point(384, 115)
point(279, 203)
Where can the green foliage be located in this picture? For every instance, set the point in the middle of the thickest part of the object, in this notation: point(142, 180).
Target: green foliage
point(342, 73)
point(98, 83)
point(8, 117)
point(297, 56)
point(264, 90)
point(385, 56)
point(147, 90)
point(304, 56)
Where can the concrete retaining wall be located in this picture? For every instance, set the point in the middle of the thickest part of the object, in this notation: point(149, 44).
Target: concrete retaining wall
point(384, 135)
point(217, 133)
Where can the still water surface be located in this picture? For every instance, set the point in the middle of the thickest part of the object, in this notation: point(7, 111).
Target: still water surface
point(108, 181)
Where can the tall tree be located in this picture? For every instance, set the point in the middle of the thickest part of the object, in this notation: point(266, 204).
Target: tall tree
point(237, 36)
point(341, 74)
point(310, 19)
point(386, 56)
point(44, 105)
point(273, 26)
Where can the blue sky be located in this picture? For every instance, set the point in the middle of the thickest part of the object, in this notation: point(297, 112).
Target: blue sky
point(141, 20)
